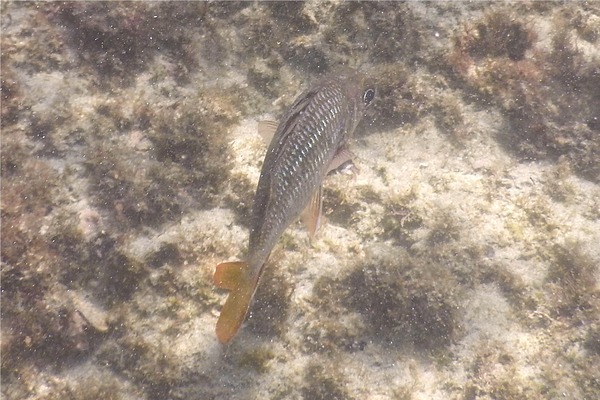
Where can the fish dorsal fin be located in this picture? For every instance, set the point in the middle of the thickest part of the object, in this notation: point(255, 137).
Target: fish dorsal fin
point(312, 214)
point(267, 129)
point(341, 157)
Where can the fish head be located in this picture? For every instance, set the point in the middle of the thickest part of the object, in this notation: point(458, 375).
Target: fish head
point(359, 91)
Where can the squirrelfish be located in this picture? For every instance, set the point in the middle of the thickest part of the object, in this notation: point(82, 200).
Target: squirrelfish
point(310, 141)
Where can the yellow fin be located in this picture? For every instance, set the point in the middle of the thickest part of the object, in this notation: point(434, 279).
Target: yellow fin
point(233, 276)
point(227, 275)
point(312, 214)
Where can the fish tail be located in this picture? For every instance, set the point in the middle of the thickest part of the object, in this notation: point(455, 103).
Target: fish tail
point(235, 277)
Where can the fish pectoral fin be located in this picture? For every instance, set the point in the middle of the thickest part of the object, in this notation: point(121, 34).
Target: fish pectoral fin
point(266, 129)
point(341, 157)
point(312, 214)
point(233, 276)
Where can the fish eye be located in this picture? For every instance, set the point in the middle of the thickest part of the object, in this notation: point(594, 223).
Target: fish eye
point(368, 96)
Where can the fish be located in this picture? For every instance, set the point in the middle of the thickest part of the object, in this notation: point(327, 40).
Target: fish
point(310, 141)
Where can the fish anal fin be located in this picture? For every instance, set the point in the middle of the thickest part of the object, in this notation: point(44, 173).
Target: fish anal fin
point(266, 129)
point(312, 214)
point(235, 277)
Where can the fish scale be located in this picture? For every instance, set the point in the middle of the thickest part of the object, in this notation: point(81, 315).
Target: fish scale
point(310, 140)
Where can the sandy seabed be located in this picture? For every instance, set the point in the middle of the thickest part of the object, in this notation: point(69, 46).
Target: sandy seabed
point(460, 262)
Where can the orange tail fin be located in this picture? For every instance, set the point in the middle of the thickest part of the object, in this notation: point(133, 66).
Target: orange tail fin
point(233, 276)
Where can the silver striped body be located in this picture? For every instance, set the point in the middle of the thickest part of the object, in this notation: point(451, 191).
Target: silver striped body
point(317, 126)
